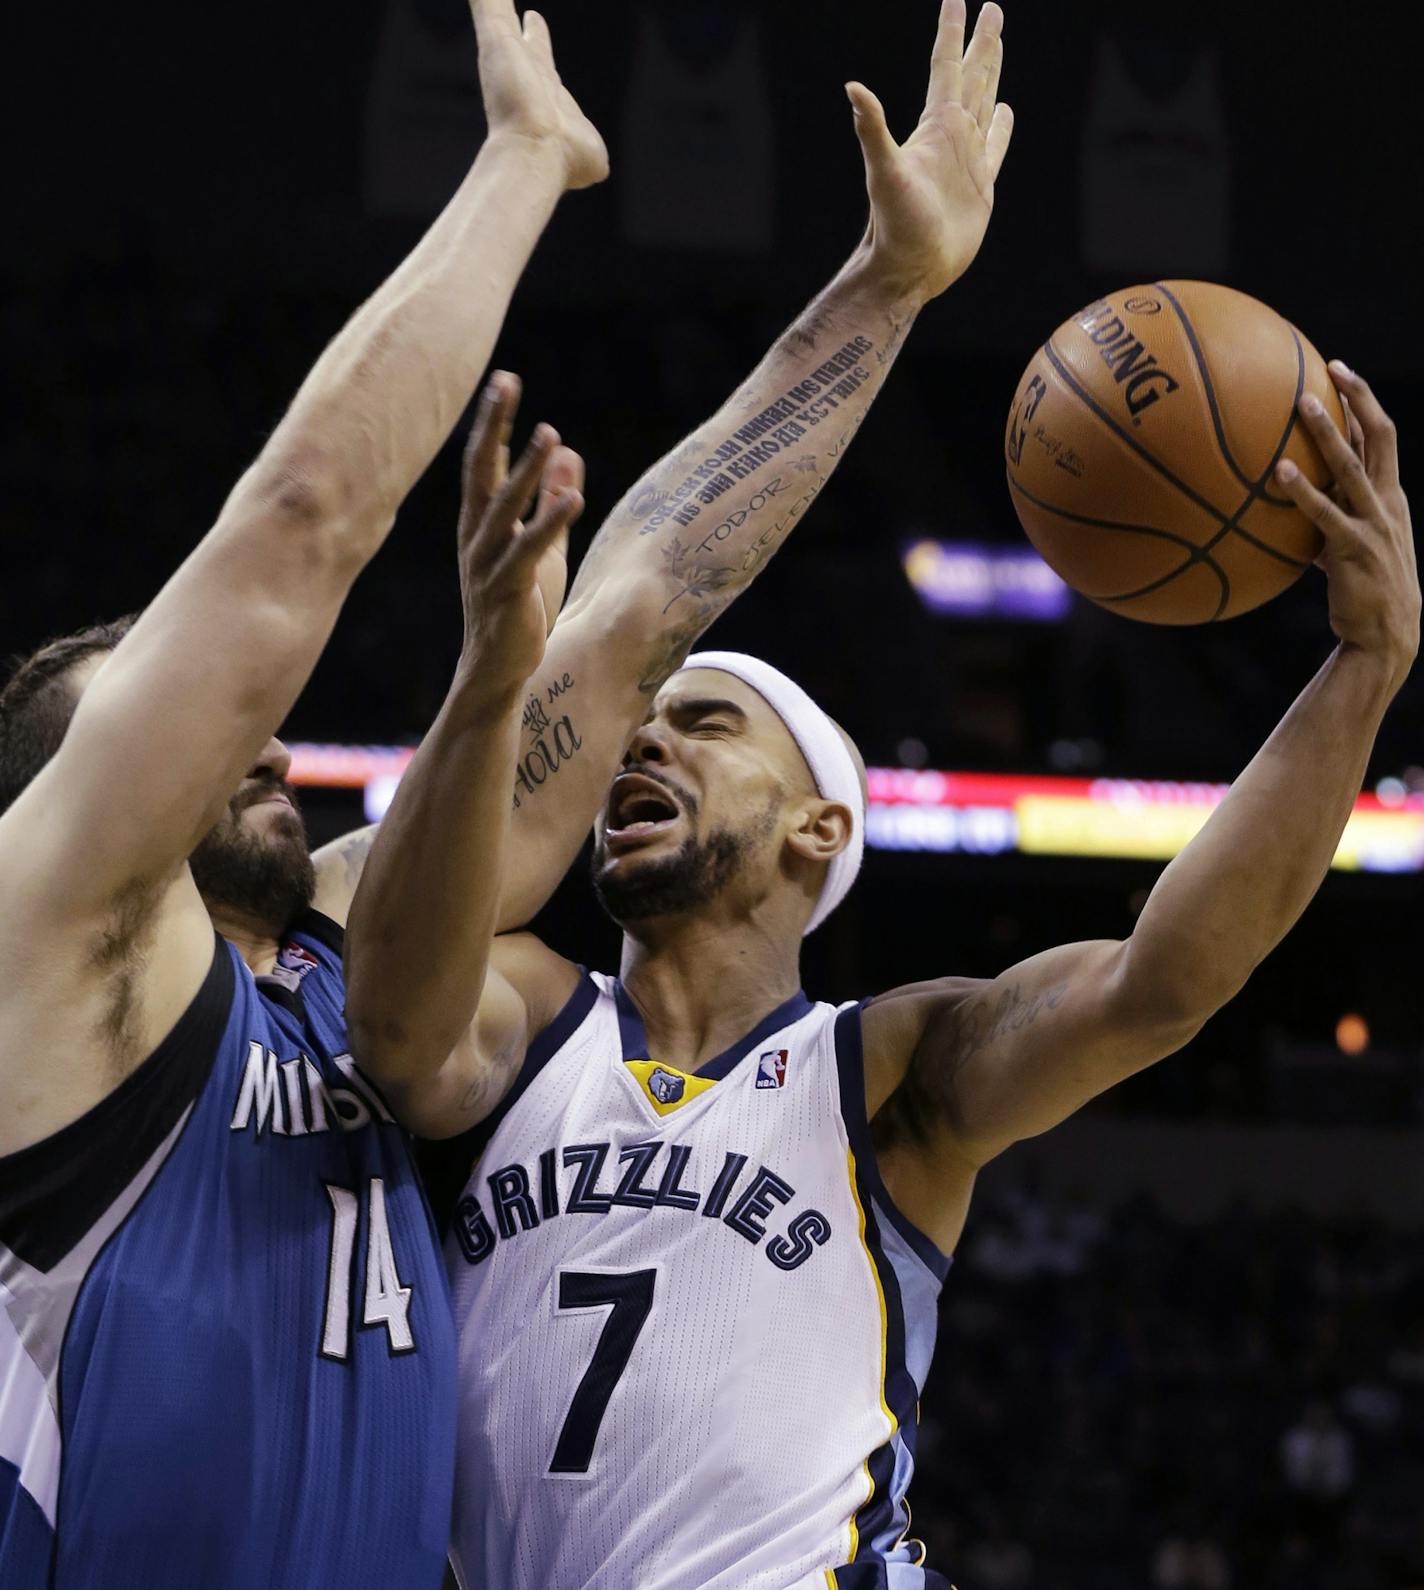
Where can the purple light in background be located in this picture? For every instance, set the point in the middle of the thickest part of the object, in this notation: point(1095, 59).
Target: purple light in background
point(966, 580)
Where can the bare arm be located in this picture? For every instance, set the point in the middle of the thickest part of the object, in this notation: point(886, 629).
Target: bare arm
point(171, 722)
point(412, 994)
point(681, 546)
point(985, 1064)
point(704, 521)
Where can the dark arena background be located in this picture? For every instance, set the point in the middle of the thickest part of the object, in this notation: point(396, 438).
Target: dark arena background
point(1183, 1345)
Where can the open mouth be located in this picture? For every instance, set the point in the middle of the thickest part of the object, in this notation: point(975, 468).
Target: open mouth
point(639, 806)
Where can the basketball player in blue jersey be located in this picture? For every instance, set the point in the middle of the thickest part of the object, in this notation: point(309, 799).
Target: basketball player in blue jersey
point(226, 1356)
point(696, 1258)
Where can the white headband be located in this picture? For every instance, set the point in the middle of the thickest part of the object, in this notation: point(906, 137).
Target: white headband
point(831, 764)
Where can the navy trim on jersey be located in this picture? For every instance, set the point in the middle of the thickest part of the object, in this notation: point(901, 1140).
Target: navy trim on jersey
point(883, 1520)
point(876, 1576)
point(634, 1035)
point(53, 1192)
point(321, 928)
point(850, 1060)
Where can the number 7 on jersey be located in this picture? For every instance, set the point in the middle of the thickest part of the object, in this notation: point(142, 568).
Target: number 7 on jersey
point(629, 1298)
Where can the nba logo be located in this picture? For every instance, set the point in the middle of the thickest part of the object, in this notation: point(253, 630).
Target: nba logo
point(297, 958)
point(293, 963)
point(771, 1069)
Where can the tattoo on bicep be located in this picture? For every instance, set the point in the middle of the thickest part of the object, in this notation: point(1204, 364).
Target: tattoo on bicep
point(482, 1088)
point(1010, 1012)
point(553, 742)
point(693, 574)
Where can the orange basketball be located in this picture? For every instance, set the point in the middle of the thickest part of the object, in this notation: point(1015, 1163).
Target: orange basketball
point(1142, 447)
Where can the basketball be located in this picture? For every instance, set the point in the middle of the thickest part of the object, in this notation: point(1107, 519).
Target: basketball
point(1142, 445)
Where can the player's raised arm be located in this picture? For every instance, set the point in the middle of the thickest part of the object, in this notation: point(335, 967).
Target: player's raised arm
point(166, 729)
point(982, 1065)
point(411, 996)
point(704, 521)
point(683, 543)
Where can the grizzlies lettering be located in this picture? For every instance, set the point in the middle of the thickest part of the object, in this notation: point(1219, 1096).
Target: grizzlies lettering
point(649, 1177)
point(1143, 380)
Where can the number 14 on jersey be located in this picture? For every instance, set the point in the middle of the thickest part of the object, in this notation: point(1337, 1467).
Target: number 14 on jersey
point(387, 1301)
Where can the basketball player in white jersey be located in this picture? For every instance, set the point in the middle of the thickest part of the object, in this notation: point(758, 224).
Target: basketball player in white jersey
point(705, 1221)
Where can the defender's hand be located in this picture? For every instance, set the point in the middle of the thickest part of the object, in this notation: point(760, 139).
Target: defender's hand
point(1369, 557)
point(931, 197)
point(524, 95)
point(512, 576)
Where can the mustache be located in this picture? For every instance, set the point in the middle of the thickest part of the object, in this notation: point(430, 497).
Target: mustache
point(261, 787)
point(685, 798)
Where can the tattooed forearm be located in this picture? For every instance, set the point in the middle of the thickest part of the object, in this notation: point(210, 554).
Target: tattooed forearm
point(813, 399)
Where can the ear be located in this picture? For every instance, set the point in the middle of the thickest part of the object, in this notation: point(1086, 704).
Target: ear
point(823, 829)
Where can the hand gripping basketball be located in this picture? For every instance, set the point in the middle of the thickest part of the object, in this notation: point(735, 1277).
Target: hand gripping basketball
point(512, 576)
point(1369, 557)
point(931, 197)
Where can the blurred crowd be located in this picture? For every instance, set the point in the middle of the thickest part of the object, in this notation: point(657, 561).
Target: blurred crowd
point(1119, 1403)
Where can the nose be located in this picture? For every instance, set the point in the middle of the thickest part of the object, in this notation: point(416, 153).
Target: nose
point(649, 744)
point(275, 762)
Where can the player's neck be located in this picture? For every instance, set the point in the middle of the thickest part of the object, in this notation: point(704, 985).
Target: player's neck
point(253, 941)
point(701, 986)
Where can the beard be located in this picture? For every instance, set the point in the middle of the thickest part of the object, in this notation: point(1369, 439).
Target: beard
point(269, 878)
point(696, 872)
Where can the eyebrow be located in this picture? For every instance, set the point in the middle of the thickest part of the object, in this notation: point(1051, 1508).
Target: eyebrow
point(702, 706)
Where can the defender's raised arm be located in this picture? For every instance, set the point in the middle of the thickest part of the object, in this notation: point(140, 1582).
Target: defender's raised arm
point(92, 852)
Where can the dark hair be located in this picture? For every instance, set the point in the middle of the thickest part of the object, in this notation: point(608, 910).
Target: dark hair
point(37, 703)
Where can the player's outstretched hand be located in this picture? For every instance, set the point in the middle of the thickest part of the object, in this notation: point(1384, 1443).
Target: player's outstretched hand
point(1369, 557)
point(512, 575)
point(524, 95)
point(931, 197)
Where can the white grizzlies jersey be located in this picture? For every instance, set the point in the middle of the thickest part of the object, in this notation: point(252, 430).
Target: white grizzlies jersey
point(693, 1330)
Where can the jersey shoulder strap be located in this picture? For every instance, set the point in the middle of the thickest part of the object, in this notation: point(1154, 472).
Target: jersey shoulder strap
point(53, 1192)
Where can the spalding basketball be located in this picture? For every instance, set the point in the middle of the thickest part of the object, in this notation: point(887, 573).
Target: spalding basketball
point(1142, 447)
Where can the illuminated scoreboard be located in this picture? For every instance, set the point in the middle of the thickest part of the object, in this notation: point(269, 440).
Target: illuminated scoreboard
point(989, 814)
point(1126, 819)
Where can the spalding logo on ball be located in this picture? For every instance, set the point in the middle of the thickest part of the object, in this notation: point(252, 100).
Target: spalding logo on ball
point(1142, 447)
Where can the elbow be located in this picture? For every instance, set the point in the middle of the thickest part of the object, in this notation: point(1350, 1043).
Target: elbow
point(390, 1053)
point(326, 518)
point(1166, 1000)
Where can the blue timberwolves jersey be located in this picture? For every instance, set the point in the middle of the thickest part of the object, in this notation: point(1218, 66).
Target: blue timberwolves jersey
point(226, 1355)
